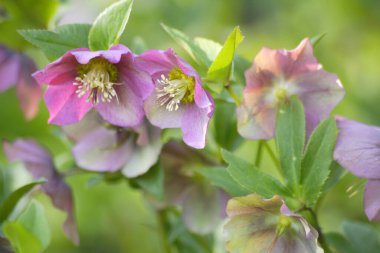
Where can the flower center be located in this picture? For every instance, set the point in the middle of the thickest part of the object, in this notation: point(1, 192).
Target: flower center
point(97, 77)
point(175, 89)
point(284, 222)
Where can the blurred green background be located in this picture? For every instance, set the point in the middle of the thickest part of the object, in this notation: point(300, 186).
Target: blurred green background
point(114, 218)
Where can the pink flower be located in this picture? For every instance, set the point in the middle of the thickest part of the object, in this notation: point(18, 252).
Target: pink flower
point(276, 75)
point(178, 101)
point(105, 80)
point(16, 69)
point(40, 164)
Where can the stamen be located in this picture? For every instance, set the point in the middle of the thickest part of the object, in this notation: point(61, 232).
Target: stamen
point(98, 79)
point(174, 90)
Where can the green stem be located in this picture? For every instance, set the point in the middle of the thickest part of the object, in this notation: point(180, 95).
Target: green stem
point(161, 219)
point(259, 153)
point(233, 94)
point(273, 157)
point(321, 238)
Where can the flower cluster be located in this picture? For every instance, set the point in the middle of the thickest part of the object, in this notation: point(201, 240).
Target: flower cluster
point(123, 88)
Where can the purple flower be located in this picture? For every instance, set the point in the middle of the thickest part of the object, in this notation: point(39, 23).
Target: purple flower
point(202, 204)
point(39, 163)
point(277, 75)
point(258, 225)
point(16, 69)
point(106, 80)
point(358, 150)
point(178, 101)
point(106, 148)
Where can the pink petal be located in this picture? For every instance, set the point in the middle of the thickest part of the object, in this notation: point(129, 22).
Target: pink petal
point(256, 119)
point(372, 200)
point(126, 111)
point(39, 163)
point(100, 150)
point(64, 105)
point(320, 92)
point(156, 61)
point(89, 123)
point(194, 126)
point(112, 55)
point(28, 91)
point(61, 71)
point(358, 148)
point(140, 82)
point(159, 116)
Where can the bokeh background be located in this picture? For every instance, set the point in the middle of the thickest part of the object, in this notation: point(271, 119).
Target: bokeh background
point(113, 217)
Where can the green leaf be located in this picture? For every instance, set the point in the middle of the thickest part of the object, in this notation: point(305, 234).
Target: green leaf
point(11, 201)
point(290, 138)
point(225, 126)
point(362, 237)
point(339, 243)
point(220, 71)
point(192, 48)
point(315, 40)
point(64, 38)
point(221, 178)
point(30, 232)
point(336, 172)
point(210, 47)
point(153, 181)
point(317, 160)
point(109, 25)
point(251, 178)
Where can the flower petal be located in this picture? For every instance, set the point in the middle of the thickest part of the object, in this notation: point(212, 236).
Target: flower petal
point(144, 154)
point(113, 55)
point(85, 126)
point(126, 111)
point(194, 126)
point(61, 71)
point(372, 200)
point(320, 92)
point(139, 81)
point(358, 148)
point(101, 151)
point(39, 163)
point(28, 90)
point(201, 209)
point(64, 105)
point(159, 116)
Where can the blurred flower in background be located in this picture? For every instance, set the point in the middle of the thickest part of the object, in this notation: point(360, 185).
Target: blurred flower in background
point(16, 70)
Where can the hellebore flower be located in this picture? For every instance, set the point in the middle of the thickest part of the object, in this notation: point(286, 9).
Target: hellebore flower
point(258, 225)
point(178, 101)
point(202, 204)
point(39, 163)
point(358, 150)
point(16, 69)
point(105, 148)
point(276, 75)
point(106, 80)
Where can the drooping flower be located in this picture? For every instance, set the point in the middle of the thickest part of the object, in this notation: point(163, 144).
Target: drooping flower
point(106, 80)
point(259, 225)
point(16, 70)
point(105, 148)
point(358, 150)
point(276, 75)
point(40, 164)
point(203, 205)
point(178, 100)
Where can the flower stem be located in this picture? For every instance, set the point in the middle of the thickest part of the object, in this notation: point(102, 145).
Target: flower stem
point(233, 94)
point(273, 157)
point(161, 219)
point(321, 238)
point(259, 153)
